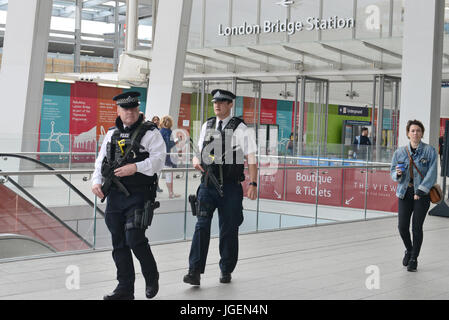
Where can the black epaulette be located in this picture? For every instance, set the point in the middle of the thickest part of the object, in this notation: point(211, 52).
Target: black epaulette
point(234, 123)
point(112, 128)
point(148, 125)
point(211, 122)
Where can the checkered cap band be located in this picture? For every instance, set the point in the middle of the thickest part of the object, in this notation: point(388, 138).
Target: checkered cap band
point(127, 100)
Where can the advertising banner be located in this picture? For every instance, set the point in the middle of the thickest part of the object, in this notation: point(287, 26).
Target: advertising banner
point(381, 190)
point(250, 106)
point(107, 111)
point(238, 106)
point(284, 120)
point(184, 112)
point(83, 119)
point(268, 111)
point(302, 186)
point(54, 124)
point(272, 184)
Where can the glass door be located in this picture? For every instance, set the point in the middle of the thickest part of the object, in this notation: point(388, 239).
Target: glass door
point(385, 116)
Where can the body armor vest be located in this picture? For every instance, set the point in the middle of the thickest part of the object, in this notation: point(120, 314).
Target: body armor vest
point(121, 140)
point(231, 173)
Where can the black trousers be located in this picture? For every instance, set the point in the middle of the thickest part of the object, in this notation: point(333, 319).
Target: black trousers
point(415, 211)
point(118, 210)
point(230, 217)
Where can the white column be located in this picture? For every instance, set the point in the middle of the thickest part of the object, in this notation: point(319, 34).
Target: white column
point(421, 67)
point(168, 58)
point(131, 24)
point(22, 73)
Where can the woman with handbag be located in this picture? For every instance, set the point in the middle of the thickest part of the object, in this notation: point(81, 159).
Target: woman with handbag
point(414, 167)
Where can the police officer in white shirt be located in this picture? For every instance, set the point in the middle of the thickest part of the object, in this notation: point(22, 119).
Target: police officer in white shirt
point(140, 152)
point(224, 143)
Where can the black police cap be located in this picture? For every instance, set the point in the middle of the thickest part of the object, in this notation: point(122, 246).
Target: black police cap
point(127, 100)
point(222, 95)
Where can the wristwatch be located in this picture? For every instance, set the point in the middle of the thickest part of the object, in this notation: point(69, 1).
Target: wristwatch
point(253, 184)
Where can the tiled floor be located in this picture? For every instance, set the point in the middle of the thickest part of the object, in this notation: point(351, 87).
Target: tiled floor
point(324, 262)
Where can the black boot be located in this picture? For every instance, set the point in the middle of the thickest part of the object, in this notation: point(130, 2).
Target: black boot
point(152, 286)
point(412, 265)
point(119, 295)
point(193, 278)
point(406, 259)
point(225, 277)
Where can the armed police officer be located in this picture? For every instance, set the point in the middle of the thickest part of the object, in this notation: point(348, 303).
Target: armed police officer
point(131, 155)
point(223, 143)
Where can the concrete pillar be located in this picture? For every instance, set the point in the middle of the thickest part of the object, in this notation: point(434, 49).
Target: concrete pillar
point(168, 58)
point(22, 73)
point(131, 24)
point(421, 67)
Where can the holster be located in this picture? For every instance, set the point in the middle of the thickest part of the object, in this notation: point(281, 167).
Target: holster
point(142, 218)
point(199, 208)
point(194, 203)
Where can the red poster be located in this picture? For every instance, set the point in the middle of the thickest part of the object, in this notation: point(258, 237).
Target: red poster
point(107, 110)
point(442, 126)
point(83, 120)
point(184, 112)
point(250, 110)
point(381, 190)
point(302, 186)
point(268, 108)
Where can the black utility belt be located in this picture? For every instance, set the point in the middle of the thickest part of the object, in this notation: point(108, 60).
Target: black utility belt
point(134, 189)
point(237, 181)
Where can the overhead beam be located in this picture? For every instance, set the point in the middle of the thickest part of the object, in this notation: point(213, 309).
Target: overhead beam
point(312, 56)
point(227, 63)
point(270, 55)
point(350, 54)
point(235, 56)
point(383, 50)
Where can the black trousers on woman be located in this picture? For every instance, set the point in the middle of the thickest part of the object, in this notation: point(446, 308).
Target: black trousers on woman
point(415, 211)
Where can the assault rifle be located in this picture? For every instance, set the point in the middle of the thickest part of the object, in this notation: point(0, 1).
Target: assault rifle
point(107, 170)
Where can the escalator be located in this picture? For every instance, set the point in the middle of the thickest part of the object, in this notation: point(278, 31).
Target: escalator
point(29, 227)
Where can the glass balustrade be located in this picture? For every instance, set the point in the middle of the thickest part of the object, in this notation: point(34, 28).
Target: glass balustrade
point(57, 209)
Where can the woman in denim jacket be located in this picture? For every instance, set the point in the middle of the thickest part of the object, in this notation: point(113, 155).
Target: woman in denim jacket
point(413, 192)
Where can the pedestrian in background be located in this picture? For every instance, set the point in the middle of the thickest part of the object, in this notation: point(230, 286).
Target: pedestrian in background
point(157, 122)
point(166, 132)
point(409, 163)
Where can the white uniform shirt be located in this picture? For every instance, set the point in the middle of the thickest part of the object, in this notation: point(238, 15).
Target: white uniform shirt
point(152, 142)
point(243, 136)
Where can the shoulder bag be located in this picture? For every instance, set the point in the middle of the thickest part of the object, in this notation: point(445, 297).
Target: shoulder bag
point(435, 193)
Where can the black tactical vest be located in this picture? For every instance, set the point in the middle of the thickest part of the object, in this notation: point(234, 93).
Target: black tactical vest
point(231, 173)
point(120, 142)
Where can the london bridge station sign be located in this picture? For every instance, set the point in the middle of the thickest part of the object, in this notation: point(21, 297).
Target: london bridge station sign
point(290, 27)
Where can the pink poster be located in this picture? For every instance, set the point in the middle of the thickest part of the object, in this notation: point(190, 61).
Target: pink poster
point(83, 120)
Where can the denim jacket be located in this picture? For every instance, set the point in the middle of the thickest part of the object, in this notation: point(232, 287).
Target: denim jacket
point(425, 159)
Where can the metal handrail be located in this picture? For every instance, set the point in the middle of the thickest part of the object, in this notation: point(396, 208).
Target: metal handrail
point(68, 183)
point(90, 171)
